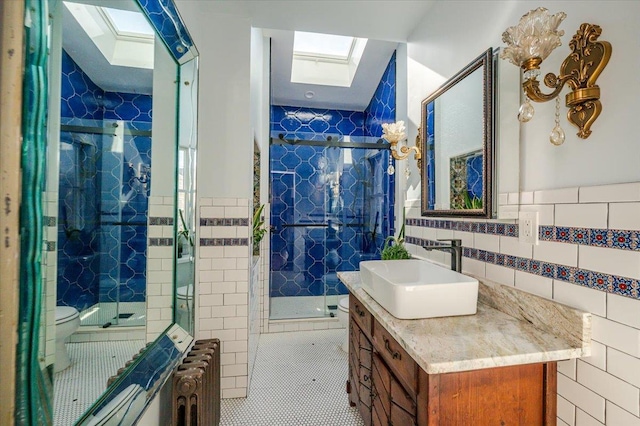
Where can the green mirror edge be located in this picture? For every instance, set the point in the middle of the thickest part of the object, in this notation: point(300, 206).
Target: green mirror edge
point(33, 385)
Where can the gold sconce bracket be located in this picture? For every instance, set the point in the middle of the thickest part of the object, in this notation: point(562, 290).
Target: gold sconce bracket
point(579, 71)
point(394, 133)
point(406, 150)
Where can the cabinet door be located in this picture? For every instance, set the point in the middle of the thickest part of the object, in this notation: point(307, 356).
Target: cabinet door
point(392, 404)
point(359, 374)
point(400, 362)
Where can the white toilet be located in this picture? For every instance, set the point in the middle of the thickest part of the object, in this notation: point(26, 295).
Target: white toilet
point(343, 316)
point(184, 302)
point(67, 322)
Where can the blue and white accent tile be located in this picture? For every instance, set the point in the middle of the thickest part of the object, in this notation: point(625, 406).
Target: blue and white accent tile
point(160, 264)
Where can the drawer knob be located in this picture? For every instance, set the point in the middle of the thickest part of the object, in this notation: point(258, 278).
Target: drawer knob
point(394, 354)
point(359, 311)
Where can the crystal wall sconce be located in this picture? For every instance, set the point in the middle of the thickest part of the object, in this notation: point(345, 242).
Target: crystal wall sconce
point(394, 133)
point(531, 41)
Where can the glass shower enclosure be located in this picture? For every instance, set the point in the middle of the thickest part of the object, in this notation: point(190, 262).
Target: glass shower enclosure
point(331, 207)
point(104, 185)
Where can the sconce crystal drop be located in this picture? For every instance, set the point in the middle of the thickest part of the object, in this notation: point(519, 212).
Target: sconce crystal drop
point(557, 136)
point(526, 111)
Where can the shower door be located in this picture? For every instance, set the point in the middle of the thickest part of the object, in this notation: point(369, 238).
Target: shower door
point(300, 232)
point(102, 222)
point(330, 208)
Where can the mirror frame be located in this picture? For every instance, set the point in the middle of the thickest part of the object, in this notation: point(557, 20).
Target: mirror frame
point(484, 62)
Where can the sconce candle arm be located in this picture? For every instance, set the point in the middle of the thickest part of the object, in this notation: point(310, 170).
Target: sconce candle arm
point(405, 151)
point(532, 87)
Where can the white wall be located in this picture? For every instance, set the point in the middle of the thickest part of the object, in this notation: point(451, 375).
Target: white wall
point(225, 145)
point(453, 33)
point(561, 183)
point(260, 129)
point(164, 127)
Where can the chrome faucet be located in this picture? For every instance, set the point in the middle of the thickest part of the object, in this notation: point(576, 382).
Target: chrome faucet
point(455, 248)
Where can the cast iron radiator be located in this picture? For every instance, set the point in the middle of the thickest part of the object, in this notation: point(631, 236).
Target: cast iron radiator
point(196, 386)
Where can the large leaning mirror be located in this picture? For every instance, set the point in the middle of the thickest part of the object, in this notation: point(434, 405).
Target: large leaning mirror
point(458, 144)
point(119, 207)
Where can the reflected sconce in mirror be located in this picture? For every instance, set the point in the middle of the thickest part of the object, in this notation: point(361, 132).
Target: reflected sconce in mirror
point(394, 133)
point(531, 41)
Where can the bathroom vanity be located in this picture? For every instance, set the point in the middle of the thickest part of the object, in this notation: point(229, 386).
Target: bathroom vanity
point(495, 367)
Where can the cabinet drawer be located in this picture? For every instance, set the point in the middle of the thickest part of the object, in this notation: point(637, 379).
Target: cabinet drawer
point(398, 360)
point(360, 314)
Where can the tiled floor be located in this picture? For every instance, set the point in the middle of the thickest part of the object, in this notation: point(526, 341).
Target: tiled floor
point(76, 388)
point(298, 380)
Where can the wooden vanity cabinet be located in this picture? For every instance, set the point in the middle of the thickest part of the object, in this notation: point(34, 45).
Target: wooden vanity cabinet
point(360, 359)
point(389, 388)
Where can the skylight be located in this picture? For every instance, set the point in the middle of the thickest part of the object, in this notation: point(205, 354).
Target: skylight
point(325, 59)
point(125, 38)
point(323, 46)
point(129, 23)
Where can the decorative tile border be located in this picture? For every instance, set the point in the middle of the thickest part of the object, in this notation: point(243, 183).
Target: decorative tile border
point(50, 246)
point(506, 229)
point(50, 221)
point(615, 284)
point(241, 221)
point(161, 221)
point(160, 242)
point(209, 242)
point(610, 238)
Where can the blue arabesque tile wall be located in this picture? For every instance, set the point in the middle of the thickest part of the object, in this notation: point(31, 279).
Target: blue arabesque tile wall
point(340, 200)
point(382, 107)
point(101, 238)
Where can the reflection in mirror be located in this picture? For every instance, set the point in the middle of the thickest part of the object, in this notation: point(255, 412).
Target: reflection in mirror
point(186, 196)
point(128, 396)
point(457, 135)
point(119, 98)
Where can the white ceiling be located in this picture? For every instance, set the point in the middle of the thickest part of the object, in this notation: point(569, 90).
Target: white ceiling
point(357, 18)
point(351, 17)
point(355, 98)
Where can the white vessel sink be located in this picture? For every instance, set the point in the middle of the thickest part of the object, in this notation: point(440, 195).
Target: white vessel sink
point(412, 289)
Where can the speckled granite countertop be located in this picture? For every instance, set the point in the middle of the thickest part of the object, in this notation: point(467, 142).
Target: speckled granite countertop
point(511, 327)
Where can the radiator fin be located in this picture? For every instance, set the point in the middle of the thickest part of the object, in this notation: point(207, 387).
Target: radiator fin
point(196, 386)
